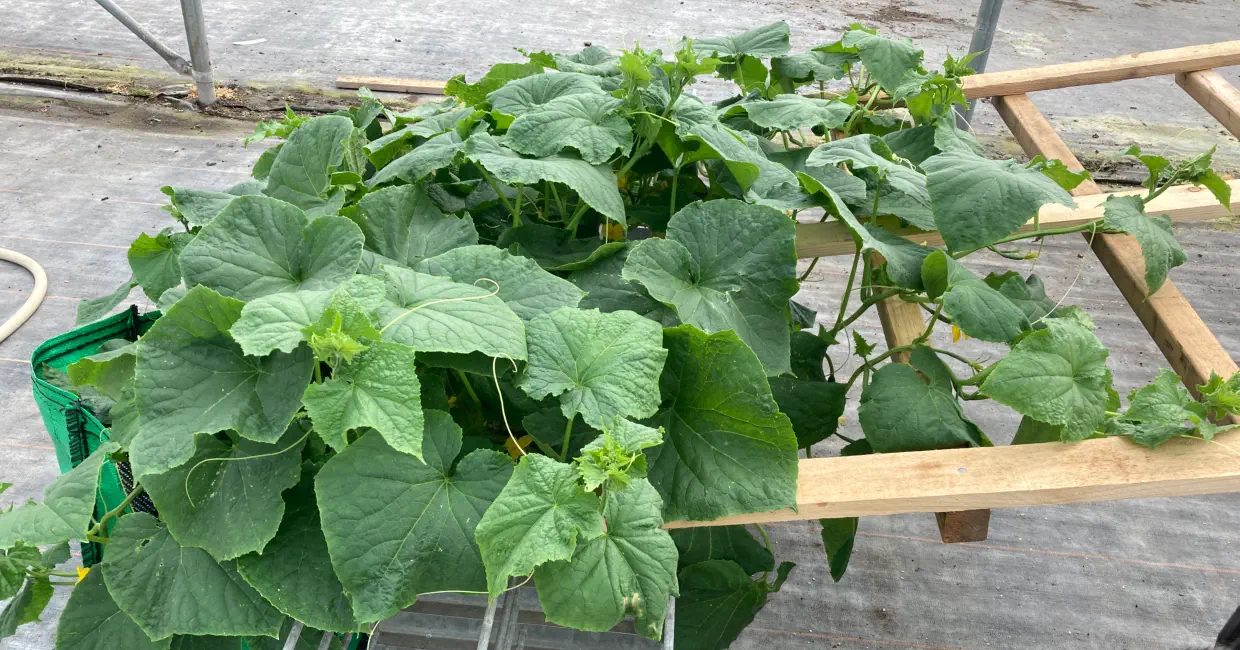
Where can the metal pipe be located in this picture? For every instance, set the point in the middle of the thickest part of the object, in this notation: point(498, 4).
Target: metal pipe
point(669, 626)
point(196, 33)
point(294, 635)
point(179, 64)
point(983, 38)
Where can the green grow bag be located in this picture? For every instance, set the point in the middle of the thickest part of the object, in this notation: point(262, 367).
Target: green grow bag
point(76, 433)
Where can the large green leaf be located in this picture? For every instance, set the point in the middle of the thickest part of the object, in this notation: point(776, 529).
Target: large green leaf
point(792, 111)
point(432, 155)
point(600, 365)
point(109, 371)
point(294, 572)
point(838, 536)
point(192, 378)
point(499, 75)
point(556, 249)
point(594, 184)
point(811, 66)
point(1029, 294)
point(608, 291)
point(735, 543)
point(532, 93)
point(1057, 375)
point(541, 516)
point(259, 246)
point(92, 621)
point(301, 172)
point(224, 482)
point(717, 601)
point(813, 407)
point(592, 60)
point(169, 589)
point(1158, 245)
point(979, 201)
point(903, 258)
point(890, 62)
point(902, 189)
point(26, 606)
point(727, 449)
point(629, 569)
point(588, 123)
point(1163, 410)
point(525, 287)
point(154, 261)
point(279, 321)
point(402, 223)
point(914, 408)
point(433, 314)
point(90, 310)
point(768, 40)
point(379, 389)
point(198, 207)
point(725, 265)
point(67, 507)
point(743, 157)
point(414, 532)
point(979, 310)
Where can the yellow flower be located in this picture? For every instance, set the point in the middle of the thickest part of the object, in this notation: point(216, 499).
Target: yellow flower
point(516, 449)
point(82, 571)
point(956, 333)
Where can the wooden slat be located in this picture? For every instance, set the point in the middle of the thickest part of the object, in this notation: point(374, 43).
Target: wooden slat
point(1190, 347)
point(1219, 98)
point(1181, 203)
point(389, 84)
point(1004, 477)
point(1082, 73)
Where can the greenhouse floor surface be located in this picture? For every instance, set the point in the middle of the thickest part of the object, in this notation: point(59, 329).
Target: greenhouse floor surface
point(80, 178)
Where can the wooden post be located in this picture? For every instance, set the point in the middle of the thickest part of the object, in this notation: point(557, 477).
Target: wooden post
point(1190, 347)
point(902, 322)
point(1219, 98)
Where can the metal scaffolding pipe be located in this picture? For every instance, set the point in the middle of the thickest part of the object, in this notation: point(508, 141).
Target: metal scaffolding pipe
point(983, 38)
point(196, 34)
point(179, 64)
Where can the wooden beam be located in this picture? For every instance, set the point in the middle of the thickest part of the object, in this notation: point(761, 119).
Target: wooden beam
point(1082, 73)
point(1219, 98)
point(1181, 203)
point(1189, 346)
point(389, 84)
point(1017, 476)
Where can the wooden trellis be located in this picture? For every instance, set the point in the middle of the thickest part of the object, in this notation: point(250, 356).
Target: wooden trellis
point(960, 485)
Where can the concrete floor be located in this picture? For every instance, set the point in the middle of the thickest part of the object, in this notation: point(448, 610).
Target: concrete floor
point(81, 179)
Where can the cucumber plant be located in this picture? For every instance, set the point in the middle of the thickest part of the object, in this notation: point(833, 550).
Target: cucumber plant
point(439, 350)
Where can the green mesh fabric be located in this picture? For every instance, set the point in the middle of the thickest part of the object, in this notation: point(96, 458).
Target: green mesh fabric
point(74, 431)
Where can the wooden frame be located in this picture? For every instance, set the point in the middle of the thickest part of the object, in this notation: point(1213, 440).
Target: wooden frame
point(961, 485)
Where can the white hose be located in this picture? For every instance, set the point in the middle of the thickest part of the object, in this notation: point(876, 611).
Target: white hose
point(36, 296)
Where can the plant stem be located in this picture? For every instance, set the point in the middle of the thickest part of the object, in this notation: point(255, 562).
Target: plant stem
point(559, 203)
point(671, 208)
point(809, 269)
point(63, 574)
point(1091, 225)
point(318, 372)
point(865, 306)
point(844, 437)
point(870, 363)
point(502, 199)
point(580, 212)
point(852, 276)
point(784, 135)
point(925, 336)
point(958, 357)
point(138, 490)
point(468, 388)
point(568, 435)
point(516, 215)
